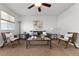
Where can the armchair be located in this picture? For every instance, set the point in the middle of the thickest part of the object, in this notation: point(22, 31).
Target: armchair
point(68, 38)
point(9, 38)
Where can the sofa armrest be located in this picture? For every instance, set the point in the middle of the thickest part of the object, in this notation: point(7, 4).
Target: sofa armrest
point(15, 36)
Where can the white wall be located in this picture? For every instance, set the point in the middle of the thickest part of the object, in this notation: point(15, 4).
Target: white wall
point(48, 23)
point(69, 20)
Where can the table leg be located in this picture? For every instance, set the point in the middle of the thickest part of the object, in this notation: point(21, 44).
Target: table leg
point(26, 44)
point(47, 42)
point(50, 43)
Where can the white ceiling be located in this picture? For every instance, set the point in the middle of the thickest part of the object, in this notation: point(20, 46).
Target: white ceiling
point(22, 9)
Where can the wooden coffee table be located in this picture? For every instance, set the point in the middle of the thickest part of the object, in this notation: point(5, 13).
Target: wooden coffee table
point(38, 39)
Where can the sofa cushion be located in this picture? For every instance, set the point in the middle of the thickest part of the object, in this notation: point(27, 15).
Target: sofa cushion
point(10, 37)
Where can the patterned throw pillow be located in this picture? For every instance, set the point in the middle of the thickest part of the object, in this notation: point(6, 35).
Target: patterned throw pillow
point(44, 33)
point(7, 35)
point(67, 36)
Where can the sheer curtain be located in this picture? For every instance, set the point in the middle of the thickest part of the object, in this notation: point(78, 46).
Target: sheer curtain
point(77, 41)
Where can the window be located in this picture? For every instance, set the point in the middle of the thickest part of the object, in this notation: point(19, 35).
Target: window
point(3, 25)
point(7, 21)
point(11, 26)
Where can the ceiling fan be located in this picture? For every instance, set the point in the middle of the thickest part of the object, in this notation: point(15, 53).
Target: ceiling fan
point(39, 5)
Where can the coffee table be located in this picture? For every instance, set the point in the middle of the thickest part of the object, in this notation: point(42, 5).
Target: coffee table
point(38, 39)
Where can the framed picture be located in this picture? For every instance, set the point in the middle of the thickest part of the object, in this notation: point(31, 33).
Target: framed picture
point(38, 24)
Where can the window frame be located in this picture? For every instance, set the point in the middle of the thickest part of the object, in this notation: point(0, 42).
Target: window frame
point(8, 21)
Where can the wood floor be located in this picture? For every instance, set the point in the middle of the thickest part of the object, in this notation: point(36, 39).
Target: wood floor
point(20, 50)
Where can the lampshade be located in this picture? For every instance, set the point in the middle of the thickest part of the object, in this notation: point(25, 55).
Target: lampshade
point(44, 33)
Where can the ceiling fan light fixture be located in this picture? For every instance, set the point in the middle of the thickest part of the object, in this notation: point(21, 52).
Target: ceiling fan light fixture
point(38, 4)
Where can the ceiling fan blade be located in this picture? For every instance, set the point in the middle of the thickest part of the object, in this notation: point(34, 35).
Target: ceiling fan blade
point(39, 9)
point(31, 6)
point(46, 4)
